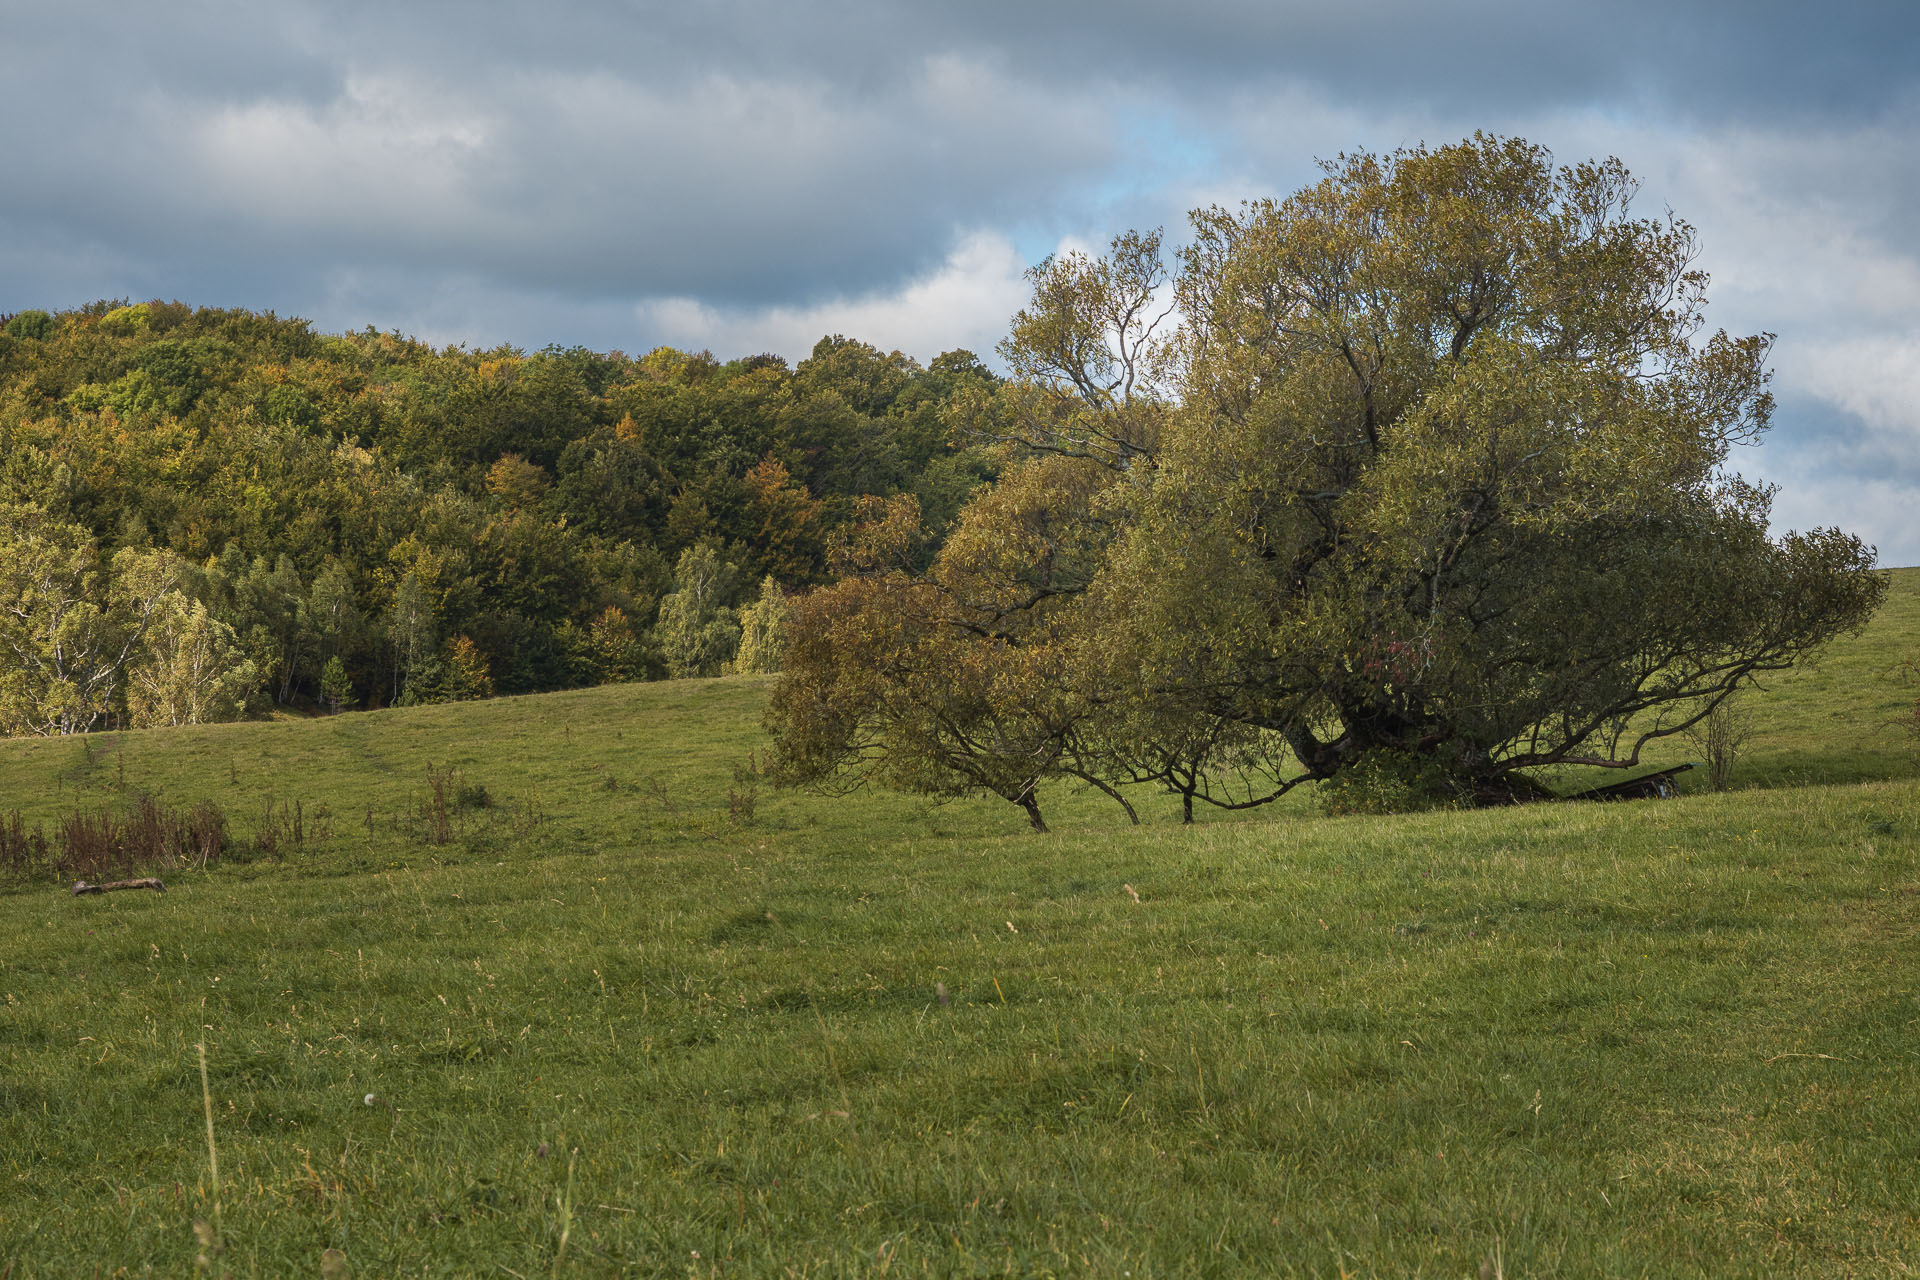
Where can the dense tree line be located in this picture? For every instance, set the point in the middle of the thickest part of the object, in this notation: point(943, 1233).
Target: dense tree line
point(365, 519)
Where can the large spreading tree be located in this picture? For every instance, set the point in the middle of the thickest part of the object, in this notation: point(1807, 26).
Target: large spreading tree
point(1426, 463)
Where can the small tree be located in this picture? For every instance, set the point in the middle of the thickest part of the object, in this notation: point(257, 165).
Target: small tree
point(976, 678)
point(191, 670)
point(763, 631)
point(69, 626)
point(412, 632)
point(618, 652)
point(1721, 737)
point(463, 673)
point(272, 617)
point(336, 687)
point(607, 650)
point(697, 632)
point(333, 613)
point(787, 539)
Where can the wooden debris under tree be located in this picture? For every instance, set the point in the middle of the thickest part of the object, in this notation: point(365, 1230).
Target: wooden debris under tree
point(1650, 786)
point(144, 882)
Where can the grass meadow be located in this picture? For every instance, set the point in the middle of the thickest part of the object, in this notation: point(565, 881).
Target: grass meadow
point(640, 1014)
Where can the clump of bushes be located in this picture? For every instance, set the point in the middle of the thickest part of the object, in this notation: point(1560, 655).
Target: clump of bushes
point(1389, 782)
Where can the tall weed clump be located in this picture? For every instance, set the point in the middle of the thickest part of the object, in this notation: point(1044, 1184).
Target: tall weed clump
point(291, 827)
point(24, 854)
point(450, 796)
point(91, 844)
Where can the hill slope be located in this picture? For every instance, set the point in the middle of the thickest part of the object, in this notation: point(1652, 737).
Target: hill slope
point(620, 1024)
point(626, 763)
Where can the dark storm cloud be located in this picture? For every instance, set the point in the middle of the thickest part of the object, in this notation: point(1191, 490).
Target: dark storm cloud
point(759, 152)
point(601, 153)
point(1712, 60)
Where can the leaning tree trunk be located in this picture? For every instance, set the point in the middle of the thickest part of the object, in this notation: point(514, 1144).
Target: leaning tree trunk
point(1032, 807)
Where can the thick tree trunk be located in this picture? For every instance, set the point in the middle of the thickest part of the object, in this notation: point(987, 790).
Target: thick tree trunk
point(1032, 807)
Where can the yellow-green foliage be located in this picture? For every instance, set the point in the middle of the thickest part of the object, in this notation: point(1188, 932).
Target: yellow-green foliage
point(525, 496)
point(124, 322)
point(763, 631)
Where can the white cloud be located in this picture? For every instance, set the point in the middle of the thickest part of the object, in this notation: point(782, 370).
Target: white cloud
point(1879, 511)
point(381, 155)
point(1875, 378)
point(965, 302)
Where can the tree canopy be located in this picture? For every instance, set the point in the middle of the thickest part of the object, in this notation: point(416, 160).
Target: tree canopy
point(362, 519)
point(1425, 464)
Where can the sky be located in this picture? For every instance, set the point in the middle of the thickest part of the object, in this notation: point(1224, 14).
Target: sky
point(748, 175)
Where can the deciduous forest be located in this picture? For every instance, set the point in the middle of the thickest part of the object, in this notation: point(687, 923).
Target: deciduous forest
point(209, 512)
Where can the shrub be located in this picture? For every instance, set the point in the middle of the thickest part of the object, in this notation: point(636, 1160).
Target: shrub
point(1389, 782)
point(464, 673)
point(763, 631)
point(435, 819)
point(1721, 737)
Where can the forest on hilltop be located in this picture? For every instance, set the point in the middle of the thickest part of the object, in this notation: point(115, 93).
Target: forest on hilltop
point(365, 519)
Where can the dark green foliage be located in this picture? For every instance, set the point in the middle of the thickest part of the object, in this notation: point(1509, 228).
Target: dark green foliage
point(335, 687)
point(1384, 781)
point(35, 325)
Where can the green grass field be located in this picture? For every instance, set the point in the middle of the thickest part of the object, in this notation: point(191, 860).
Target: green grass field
point(644, 1015)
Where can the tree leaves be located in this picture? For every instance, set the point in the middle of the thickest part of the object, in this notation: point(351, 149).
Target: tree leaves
point(1431, 467)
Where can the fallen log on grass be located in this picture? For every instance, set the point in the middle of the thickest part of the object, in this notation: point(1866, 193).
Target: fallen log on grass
point(1650, 786)
point(144, 882)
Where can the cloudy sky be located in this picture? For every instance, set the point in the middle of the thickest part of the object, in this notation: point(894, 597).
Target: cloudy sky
point(746, 175)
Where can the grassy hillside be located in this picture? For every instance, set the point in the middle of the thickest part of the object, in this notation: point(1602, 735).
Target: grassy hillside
point(1833, 720)
point(642, 1015)
point(641, 763)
